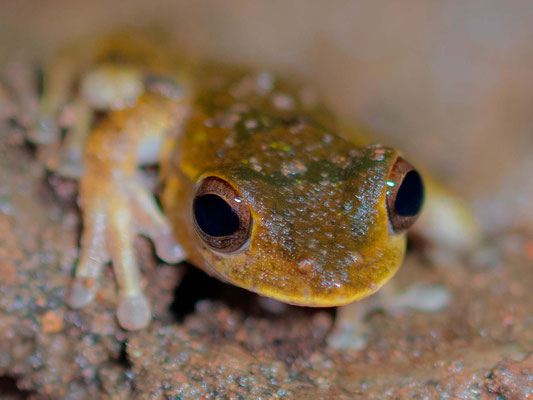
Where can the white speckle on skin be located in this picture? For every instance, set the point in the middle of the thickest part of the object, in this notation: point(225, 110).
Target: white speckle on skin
point(251, 124)
point(283, 102)
point(425, 298)
point(293, 168)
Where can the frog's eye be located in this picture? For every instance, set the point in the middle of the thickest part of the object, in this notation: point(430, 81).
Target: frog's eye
point(405, 195)
point(221, 216)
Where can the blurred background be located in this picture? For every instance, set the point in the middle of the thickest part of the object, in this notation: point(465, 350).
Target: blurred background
point(449, 83)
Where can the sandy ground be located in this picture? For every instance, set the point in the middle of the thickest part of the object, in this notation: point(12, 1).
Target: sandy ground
point(450, 83)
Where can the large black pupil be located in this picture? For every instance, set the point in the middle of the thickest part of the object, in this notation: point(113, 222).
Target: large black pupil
point(214, 216)
point(410, 195)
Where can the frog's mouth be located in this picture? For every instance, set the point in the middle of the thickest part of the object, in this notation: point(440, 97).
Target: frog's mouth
point(304, 283)
point(329, 290)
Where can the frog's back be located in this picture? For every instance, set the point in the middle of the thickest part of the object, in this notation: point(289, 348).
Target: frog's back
point(244, 110)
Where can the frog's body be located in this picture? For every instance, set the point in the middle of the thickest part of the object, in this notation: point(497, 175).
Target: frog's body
point(312, 210)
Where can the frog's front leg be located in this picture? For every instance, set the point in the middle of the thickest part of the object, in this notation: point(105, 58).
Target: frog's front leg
point(102, 87)
point(351, 330)
point(116, 207)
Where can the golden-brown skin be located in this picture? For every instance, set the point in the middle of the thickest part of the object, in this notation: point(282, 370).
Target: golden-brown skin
point(320, 234)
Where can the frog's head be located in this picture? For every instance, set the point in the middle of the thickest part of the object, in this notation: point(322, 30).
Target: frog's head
point(316, 222)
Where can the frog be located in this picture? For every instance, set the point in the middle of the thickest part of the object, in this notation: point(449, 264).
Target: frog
point(258, 187)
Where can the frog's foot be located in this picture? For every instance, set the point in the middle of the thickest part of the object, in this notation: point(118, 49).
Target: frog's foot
point(350, 330)
point(114, 213)
point(45, 131)
point(271, 305)
point(68, 160)
point(420, 298)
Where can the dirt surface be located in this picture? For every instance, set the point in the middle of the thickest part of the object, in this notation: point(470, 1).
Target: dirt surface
point(210, 340)
point(453, 81)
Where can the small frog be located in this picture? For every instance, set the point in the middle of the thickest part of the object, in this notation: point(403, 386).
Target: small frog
point(258, 188)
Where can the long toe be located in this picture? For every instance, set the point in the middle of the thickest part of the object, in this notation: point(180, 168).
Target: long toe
point(81, 292)
point(134, 312)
